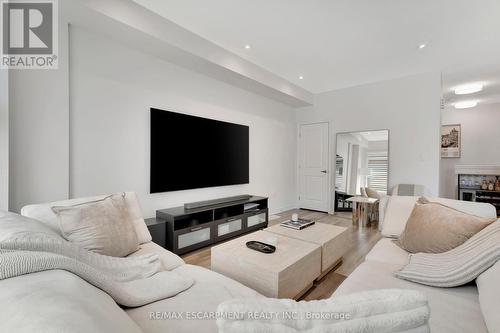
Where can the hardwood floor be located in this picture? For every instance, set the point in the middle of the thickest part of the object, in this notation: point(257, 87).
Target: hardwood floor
point(362, 239)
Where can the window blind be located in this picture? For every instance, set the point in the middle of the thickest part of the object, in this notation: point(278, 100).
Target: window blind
point(378, 166)
point(339, 171)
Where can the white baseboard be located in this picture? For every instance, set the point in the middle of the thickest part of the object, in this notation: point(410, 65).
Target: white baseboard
point(282, 209)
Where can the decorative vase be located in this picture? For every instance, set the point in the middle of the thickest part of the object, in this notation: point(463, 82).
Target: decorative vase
point(497, 185)
point(491, 186)
point(484, 186)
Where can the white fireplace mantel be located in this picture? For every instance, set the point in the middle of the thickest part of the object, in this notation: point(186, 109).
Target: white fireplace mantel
point(486, 170)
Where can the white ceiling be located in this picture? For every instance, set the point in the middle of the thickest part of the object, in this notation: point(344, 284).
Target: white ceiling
point(340, 43)
point(488, 75)
point(370, 136)
point(375, 135)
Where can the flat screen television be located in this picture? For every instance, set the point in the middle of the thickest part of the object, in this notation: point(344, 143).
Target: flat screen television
point(189, 152)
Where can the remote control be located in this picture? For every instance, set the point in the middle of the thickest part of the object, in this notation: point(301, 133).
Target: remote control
point(261, 247)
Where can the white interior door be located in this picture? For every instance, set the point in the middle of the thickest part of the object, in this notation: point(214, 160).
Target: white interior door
point(314, 166)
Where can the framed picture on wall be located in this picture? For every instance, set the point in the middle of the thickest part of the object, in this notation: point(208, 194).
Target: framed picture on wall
point(451, 141)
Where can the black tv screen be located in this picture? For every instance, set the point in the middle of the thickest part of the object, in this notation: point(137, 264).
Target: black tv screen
point(190, 152)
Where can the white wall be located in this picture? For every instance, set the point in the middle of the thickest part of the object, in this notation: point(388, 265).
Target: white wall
point(39, 146)
point(112, 89)
point(4, 139)
point(480, 141)
point(377, 146)
point(102, 144)
point(408, 107)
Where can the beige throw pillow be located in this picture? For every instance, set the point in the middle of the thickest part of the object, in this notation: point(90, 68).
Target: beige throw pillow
point(102, 226)
point(372, 193)
point(435, 228)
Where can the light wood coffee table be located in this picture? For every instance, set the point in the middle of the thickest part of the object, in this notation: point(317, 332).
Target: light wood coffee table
point(287, 273)
point(332, 239)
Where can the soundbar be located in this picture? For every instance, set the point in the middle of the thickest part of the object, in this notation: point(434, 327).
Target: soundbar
point(199, 204)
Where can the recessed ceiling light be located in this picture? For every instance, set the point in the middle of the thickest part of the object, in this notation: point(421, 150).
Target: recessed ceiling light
point(301, 77)
point(422, 46)
point(469, 89)
point(248, 47)
point(465, 104)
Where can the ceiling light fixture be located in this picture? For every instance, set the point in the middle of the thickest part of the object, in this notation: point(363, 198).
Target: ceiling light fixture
point(469, 89)
point(465, 104)
point(422, 46)
point(301, 77)
point(248, 47)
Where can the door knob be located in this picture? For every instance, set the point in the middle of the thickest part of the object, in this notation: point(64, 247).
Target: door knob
point(323, 171)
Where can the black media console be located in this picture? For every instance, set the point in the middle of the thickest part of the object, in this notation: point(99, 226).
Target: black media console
point(182, 230)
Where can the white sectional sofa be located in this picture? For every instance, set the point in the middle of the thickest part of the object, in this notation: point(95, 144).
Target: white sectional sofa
point(452, 309)
point(58, 301)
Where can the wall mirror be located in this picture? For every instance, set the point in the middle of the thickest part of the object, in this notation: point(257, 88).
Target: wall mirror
point(362, 161)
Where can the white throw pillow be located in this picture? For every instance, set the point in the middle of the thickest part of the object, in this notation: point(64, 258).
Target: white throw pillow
point(44, 213)
point(398, 212)
point(135, 213)
point(488, 286)
point(382, 207)
point(102, 226)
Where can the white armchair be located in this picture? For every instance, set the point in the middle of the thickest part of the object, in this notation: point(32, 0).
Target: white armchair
point(408, 190)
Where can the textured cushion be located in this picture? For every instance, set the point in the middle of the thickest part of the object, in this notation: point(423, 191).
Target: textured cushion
point(101, 226)
point(58, 301)
point(458, 266)
point(385, 310)
point(44, 213)
point(488, 286)
point(435, 228)
point(135, 214)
